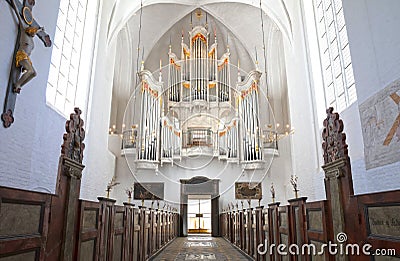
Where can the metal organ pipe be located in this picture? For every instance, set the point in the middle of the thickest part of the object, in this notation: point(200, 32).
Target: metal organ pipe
point(229, 144)
point(195, 71)
point(147, 126)
point(225, 81)
point(258, 128)
point(203, 73)
point(221, 83)
point(200, 72)
point(172, 83)
point(253, 94)
point(141, 132)
point(254, 118)
point(144, 133)
point(151, 130)
point(236, 142)
point(251, 125)
point(256, 149)
point(244, 130)
point(216, 73)
point(245, 126)
point(198, 69)
point(249, 128)
point(171, 80)
point(194, 77)
point(154, 128)
point(175, 84)
point(151, 124)
point(178, 79)
point(228, 81)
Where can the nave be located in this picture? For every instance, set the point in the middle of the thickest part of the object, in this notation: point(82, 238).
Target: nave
point(197, 247)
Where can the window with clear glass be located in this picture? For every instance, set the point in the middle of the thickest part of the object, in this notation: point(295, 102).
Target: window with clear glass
point(62, 83)
point(337, 70)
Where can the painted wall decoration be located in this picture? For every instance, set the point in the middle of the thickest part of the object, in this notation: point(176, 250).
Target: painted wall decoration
point(148, 191)
point(380, 119)
point(248, 190)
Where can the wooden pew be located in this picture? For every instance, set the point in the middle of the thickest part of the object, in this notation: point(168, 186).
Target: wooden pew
point(319, 226)
point(259, 235)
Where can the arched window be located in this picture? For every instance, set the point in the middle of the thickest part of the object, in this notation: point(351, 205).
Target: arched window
point(63, 91)
point(335, 60)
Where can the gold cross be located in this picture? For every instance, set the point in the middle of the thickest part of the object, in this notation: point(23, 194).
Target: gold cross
point(396, 98)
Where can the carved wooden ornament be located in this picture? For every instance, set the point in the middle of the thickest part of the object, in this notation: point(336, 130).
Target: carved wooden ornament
point(73, 145)
point(334, 140)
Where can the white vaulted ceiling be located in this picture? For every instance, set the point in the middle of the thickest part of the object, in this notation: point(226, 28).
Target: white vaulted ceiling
point(240, 21)
point(124, 10)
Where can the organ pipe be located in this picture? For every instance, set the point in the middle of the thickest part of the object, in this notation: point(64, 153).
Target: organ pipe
point(150, 106)
point(248, 110)
point(162, 137)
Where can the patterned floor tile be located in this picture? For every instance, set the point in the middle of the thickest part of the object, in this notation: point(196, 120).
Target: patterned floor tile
point(200, 244)
point(199, 248)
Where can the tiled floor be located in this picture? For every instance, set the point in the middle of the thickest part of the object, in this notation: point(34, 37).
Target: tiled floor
point(199, 248)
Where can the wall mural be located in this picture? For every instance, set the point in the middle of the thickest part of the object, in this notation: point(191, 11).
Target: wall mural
point(148, 191)
point(248, 190)
point(380, 119)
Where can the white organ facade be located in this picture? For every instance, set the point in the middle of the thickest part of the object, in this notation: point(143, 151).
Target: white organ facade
point(202, 105)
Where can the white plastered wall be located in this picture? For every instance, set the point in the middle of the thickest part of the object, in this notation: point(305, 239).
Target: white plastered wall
point(99, 161)
point(374, 44)
point(306, 153)
point(375, 56)
point(30, 147)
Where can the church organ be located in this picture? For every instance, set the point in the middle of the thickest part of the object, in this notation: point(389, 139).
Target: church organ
point(148, 148)
point(248, 91)
point(199, 108)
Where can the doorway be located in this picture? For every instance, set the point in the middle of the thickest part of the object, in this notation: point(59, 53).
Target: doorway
point(204, 188)
point(199, 214)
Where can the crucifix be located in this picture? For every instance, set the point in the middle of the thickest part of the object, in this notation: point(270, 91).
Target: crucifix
point(22, 70)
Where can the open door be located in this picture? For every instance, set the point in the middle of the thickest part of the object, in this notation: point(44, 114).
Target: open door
point(199, 214)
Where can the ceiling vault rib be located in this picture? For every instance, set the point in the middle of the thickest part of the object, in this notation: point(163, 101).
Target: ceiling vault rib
point(281, 18)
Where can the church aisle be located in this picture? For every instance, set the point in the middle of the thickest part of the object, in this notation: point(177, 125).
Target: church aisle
point(199, 248)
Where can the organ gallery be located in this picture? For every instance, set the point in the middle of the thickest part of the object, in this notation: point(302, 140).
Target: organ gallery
point(203, 106)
